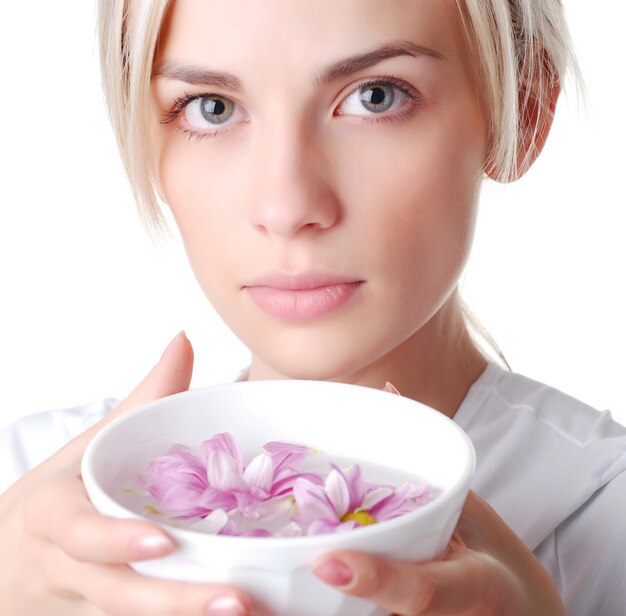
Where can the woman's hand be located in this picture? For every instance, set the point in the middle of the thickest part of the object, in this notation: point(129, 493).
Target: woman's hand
point(59, 556)
point(486, 569)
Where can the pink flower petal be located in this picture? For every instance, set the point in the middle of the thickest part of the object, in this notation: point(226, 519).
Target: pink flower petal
point(179, 464)
point(374, 496)
point(281, 447)
point(230, 529)
point(270, 487)
point(346, 526)
point(313, 504)
point(259, 472)
point(391, 506)
point(222, 442)
point(286, 463)
point(176, 481)
point(256, 532)
point(337, 491)
point(286, 455)
point(285, 485)
point(212, 499)
point(322, 527)
point(182, 502)
point(223, 472)
point(247, 505)
point(418, 491)
point(356, 486)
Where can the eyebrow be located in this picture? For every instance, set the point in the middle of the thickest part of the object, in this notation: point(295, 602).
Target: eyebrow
point(203, 77)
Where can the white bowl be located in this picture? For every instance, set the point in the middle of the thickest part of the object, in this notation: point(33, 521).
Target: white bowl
point(350, 421)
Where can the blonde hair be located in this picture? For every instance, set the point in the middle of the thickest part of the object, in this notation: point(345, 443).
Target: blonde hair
point(128, 32)
point(522, 49)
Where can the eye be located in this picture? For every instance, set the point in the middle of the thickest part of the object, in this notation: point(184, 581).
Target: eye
point(378, 96)
point(197, 115)
point(209, 110)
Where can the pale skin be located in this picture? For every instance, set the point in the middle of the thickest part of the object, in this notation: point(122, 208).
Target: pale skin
point(300, 181)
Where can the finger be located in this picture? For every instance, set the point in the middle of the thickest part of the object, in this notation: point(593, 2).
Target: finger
point(62, 514)
point(391, 388)
point(171, 375)
point(433, 588)
point(483, 530)
point(117, 589)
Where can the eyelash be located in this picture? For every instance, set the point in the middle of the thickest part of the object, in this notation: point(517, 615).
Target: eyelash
point(169, 117)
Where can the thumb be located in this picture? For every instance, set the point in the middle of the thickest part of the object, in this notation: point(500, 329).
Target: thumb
point(171, 375)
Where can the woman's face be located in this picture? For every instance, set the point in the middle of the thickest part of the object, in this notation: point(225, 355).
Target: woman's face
point(304, 169)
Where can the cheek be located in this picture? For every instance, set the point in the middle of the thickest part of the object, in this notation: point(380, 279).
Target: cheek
point(190, 177)
point(417, 208)
point(198, 198)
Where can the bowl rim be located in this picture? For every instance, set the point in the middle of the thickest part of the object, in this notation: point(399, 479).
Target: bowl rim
point(92, 485)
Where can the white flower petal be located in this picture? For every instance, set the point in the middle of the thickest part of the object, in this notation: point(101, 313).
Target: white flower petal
point(213, 523)
point(292, 529)
point(275, 507)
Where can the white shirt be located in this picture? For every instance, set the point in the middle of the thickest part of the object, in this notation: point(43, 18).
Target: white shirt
point(553, 469)
point(550, 465)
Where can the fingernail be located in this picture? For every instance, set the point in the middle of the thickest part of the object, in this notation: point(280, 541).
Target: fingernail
point(173, 342)
point(152, 546)
point(226, 606)
point(334, 572)
point(390, 388)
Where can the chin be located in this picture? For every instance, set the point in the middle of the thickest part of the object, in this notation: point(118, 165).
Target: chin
point(315, 360)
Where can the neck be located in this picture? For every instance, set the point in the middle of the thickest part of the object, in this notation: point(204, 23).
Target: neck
point(435, 366)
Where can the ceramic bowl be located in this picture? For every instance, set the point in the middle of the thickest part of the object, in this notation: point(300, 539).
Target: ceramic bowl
point(348, 421)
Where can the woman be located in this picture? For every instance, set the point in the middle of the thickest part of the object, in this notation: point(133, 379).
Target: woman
point(327, 197)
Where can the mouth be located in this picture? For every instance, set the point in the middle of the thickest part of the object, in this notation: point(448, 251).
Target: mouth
point(303, 297)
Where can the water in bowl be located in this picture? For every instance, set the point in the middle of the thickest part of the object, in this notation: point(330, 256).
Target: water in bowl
point(137, 499)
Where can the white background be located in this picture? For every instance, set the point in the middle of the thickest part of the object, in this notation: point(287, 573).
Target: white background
point(88, 303)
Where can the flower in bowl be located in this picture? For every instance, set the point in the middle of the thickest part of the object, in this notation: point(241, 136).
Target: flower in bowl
point(216, 488)
point(396, 438)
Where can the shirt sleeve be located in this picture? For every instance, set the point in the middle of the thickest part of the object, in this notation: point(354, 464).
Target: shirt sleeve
point(30, 440)
point(591, 553)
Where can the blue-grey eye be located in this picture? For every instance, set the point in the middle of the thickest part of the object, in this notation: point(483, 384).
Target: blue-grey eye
point(377, 97)
point(215, 109)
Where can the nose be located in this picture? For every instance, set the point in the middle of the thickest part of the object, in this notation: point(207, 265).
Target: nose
point(291, 192)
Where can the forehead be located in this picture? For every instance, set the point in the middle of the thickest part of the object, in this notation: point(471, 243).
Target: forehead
point(259, 40)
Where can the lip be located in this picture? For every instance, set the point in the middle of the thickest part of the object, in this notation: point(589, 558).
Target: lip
point(302, 297)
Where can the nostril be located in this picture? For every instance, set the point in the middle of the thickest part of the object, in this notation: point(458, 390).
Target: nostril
point(289, 219)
